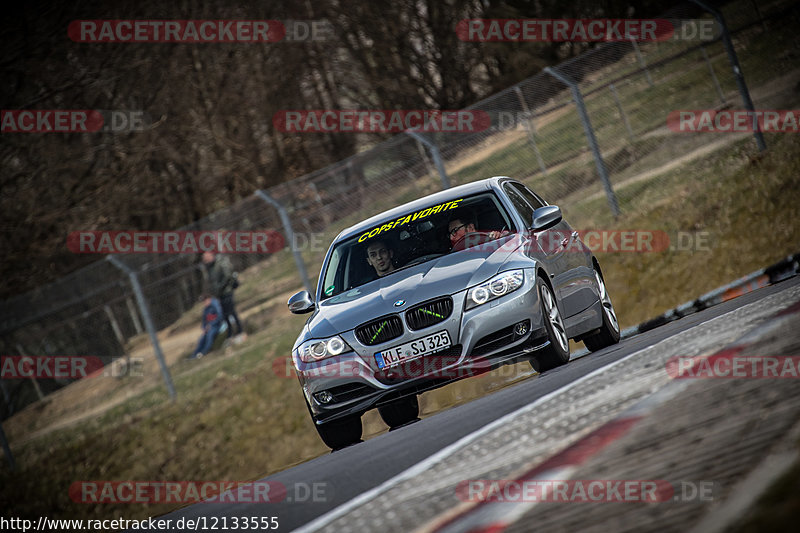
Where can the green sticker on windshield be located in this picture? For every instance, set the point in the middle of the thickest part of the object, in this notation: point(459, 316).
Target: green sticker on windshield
point(329, 290)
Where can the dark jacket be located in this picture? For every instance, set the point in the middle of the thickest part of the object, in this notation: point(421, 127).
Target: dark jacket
point(220, 277)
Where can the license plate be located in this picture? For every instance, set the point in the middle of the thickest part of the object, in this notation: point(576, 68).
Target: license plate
point(412, 350)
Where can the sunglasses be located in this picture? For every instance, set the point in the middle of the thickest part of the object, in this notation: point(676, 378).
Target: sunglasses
point(455, 230)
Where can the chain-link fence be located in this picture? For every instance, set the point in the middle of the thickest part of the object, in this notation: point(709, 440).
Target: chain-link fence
point(593, 166)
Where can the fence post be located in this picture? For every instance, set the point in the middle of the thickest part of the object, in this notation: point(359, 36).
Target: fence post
point(148, 322)
point(134, 316)
point(7, 448)
point(437, 157)
point(642, 62)
point(307, 224)
point(114, 326)
point(32, 378)
point(287, 227)
point(737, 71)
point(320, 203)
point(530, 128)
point(713, 75)
point(621, 111)
point(7, 399)
point(760, 16)
point(425, 159)
point(186, 295)
point(587, 128)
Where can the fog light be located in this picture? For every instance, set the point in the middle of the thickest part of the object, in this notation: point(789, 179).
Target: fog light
point(323, 397)
point(521, 328)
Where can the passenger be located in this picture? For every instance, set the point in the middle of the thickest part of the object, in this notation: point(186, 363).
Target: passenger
point(463, 224)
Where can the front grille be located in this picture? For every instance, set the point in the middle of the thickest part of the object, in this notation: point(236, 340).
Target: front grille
point(429, 313)
point(381, 330)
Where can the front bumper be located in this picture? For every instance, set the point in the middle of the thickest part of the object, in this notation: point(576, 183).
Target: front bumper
point(502, 331)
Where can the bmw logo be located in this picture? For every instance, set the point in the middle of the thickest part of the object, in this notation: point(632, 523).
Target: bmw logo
point(398, 303)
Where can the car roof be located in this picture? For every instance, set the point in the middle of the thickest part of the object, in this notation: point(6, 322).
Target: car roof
point(435, 198)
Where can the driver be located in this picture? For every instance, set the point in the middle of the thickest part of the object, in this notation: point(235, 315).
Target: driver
point(379, 256)
point(463, 224)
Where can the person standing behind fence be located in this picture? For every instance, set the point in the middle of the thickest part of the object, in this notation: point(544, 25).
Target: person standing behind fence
point(222, 281)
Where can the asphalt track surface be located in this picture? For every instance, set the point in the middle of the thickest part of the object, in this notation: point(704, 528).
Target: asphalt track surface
point(348, 473)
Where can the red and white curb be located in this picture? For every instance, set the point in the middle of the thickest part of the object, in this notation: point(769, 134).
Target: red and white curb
point(496, 516)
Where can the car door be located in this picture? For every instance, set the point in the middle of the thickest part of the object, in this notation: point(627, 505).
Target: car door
point(544, 242)
point(573, 281)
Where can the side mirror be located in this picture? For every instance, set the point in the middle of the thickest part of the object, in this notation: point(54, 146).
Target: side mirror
point(546, 217)
point(301, 303)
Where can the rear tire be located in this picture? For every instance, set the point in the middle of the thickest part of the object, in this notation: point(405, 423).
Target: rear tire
point(557, 352)
point(400, 412)
point(340, 433)
point(609, 331)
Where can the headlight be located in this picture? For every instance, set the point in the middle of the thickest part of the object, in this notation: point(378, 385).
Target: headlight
point(496, 287)
point(314, 350)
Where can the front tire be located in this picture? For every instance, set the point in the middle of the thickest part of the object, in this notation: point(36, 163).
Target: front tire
point(557, 352)
point(400, 412)
point(609, 331)
point(340, 433)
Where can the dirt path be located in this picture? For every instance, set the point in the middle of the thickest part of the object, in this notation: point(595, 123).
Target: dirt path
point(666, 167)
point(764, 95)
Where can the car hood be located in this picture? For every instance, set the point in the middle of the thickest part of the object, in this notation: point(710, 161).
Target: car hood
point(445, 275)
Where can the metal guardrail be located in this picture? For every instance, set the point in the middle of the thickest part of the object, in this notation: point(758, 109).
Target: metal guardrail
point(780, 271)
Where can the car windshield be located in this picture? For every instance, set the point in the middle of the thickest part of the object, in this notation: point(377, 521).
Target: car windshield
point(413, 238)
